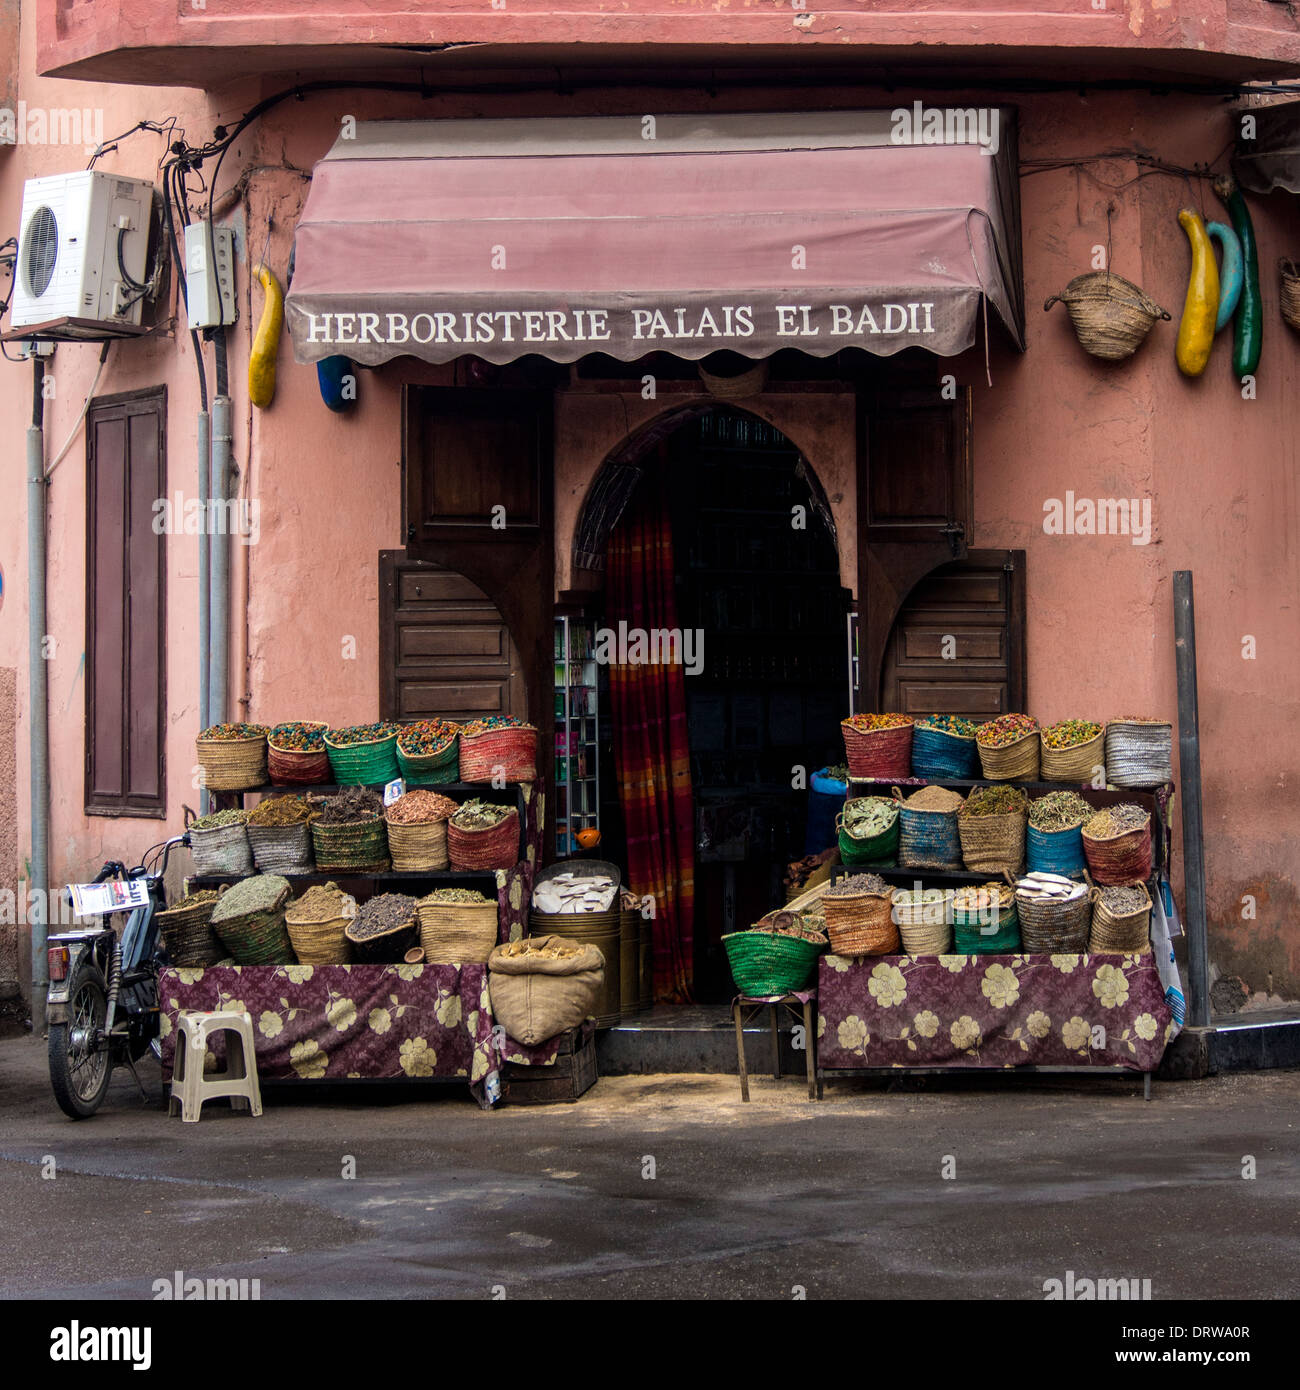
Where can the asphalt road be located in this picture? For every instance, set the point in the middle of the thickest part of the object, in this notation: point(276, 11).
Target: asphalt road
point(842, 1198)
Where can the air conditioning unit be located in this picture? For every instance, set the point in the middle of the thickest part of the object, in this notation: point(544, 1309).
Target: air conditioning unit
point(83, 245)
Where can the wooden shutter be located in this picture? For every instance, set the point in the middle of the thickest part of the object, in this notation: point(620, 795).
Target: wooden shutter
point(125, 605)
point(915, 506)
point(974, 609)
point(444, 649)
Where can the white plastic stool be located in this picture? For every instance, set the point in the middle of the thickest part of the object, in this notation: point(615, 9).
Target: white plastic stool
point(191, 1086)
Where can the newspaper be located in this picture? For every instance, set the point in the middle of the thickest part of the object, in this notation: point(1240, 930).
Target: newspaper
point(117, 895)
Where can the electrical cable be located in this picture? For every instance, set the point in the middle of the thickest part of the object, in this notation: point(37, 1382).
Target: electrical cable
point(85, 407)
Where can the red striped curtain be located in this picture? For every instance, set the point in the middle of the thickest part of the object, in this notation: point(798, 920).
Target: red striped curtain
point(651, 751)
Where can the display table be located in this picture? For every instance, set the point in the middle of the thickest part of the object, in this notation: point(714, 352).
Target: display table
point(349, 1022)
point(882, 1012)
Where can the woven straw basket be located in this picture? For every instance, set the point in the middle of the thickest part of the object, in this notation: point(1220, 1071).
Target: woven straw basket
point(1075, 764)
point(257, 938)
point(937, 754)
point(322, 942)
point(878, 753)
point(763, 964)
point(925, 927)
point(861, 925)
point(187, 932)
point(1111, 316)
point(1055, 928)
point(1127, 932)
point(995, 844)
point(387, 948)
point(430, 769)
point(357, 845)
point(281, 849)
point(368, 764)
point(928, 839)
point(1013, 762)
point(232, 764)
point(418, 846)
point(512, 749)
point(1289, 292)
point(222, 850)
point(298, 767)
point(457, 933)
point(1139, 753)
point(496, 847)
point(1121, 859)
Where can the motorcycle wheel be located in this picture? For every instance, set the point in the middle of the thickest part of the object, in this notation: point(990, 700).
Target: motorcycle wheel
point(79, 1070)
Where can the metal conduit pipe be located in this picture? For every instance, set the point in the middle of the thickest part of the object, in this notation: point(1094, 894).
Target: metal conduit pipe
point(37, 694)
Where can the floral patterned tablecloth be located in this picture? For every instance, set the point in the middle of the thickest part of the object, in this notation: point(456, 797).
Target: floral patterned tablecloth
point(991, 1011)
point(341, 1022)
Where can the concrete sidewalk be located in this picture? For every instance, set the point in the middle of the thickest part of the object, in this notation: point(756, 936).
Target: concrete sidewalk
point(660, 1187)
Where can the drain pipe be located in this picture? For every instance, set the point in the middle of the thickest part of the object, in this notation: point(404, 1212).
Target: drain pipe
point(37, 692)
point(219, 542)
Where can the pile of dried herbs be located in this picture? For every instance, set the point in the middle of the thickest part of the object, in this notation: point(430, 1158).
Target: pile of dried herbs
point(456, 895)
point(995, 801)
point(235, 815)
point(1058, 811)
point(420, 806)
point(296, 736)
point(934, 799)
point(495, 721)
point(1005, 729)
point(872, 723)
point(234, 731)
point(1069, 733)
point(350, 806)
point(363, 733)
point(855, 884)
point(1115, 820)
point(478, 814)
point(259, 893)
point(1122, 901)
point(280, 810)
point(386, 913)
point(837, 772)
point(948, 724)
point(868, 816)
point(427, 736)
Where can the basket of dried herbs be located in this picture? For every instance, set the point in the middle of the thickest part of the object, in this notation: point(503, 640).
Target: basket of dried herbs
point(868, 831)
point(417, 830)
point(363, 755)
point(428, 752)
point(1054, 840)
point(991, 824)
point(232, 756)
point(249, 919)
point(1139, 752)
point(928, 837)
point(924, 917)
point(859, 921)
point(384, 929)
point(1117, 844)
point(943, 747)
point(187, 930)
point(296, 754)
point(219, 843)
point(1055, 914)
point(458, 926)
point(317, 923)
point(498, 747)
point(878, 745)
point(1121, 919)
point(1009, 748)
point(482, 835)
point(279, 833)
point(985, 921)
point(1074, 750)
point(348, 830)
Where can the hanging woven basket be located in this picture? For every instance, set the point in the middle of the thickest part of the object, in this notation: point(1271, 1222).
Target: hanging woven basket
point(1111, 315)
point(1289, 291)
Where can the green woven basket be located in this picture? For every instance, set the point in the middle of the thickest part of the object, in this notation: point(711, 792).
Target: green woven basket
point(969, 939)
point(356, 845)
point(763, 964)
point(872, 849)
point(363, 764)
point(430, 769)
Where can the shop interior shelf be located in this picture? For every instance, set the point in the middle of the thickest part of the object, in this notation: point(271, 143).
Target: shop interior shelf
point(1037, 788)
point(435, 876)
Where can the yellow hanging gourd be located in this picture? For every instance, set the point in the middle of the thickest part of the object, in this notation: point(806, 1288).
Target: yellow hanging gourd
point(266, 342)
point(1201, 307)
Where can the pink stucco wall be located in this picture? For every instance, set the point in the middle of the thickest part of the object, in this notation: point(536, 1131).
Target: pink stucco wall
point(1220, 471)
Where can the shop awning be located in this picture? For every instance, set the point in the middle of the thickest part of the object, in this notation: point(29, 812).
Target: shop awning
point(1268, 147)
point(685, 234)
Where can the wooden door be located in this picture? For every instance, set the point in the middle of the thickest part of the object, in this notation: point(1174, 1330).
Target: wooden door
point(958, 643)
point(444, 649)
point(915, 505)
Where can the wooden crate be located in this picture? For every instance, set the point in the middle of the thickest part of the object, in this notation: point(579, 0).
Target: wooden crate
point(572, 1074)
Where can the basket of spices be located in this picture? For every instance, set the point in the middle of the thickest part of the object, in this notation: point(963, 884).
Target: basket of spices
point(991, 824)
point(928, 837)
point(878, 746)
point(1139, 752)
point(1074, 750)
point(859, 917)
point(363, 755)
point(232, 756)
point(777, 955)
point(984, 920)
point(1117, 844)
point(219, 843)
point(417, 830)
point(1055, 914)
point(1054, 840)
point(499, 747)
point(458, 926)
point(296, 755)
point(1121, 920)
point(868, 831)
point(943, 747)
point(482, 835)
point(317, 924)
point(279, 835)
point(187, 930)
point(428, 753)
point(384, 929)
point(348, 831)
point(1009, 748)
point(249, 919)
point(924, 920)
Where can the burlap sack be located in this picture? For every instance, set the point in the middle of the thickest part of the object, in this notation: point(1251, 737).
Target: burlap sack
point(534, 999)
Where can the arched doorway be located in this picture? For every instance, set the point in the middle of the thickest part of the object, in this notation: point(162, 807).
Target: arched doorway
point(710, 521)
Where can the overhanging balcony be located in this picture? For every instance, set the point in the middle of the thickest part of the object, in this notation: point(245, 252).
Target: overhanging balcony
point(206, 43)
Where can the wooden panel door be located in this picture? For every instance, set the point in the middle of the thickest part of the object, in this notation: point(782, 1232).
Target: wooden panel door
point(958, 643)
point(444, 649)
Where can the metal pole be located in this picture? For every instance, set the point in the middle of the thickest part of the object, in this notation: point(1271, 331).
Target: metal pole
point(205, 578)
point(1189, 761)
point(219, 560)
point(37, 698)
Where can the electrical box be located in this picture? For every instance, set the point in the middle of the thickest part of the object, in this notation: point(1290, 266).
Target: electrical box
point(210, 274)
point(83, 249)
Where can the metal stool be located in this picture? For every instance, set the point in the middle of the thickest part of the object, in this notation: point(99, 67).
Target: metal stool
point(191, 1086)
point(801, 1006)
